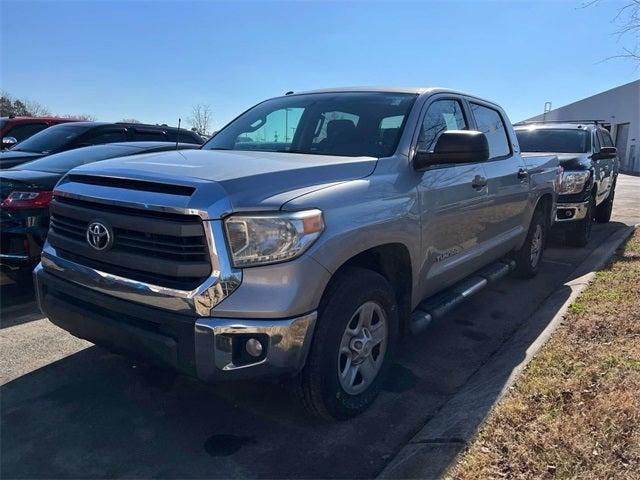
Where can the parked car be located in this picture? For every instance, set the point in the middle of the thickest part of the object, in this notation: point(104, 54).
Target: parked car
point(16, 129)
point(591, 166)
point(60, 138)
point(351, 217)
point(25, 194)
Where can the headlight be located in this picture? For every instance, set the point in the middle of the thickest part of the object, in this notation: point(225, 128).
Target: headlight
point(261, 239)
point(573, 182)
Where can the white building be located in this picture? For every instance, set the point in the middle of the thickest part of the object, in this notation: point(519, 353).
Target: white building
point(619, 111)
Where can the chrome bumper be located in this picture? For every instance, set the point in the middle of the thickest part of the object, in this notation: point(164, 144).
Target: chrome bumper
point(220, 341)
point(571, 212)
point(209, 348)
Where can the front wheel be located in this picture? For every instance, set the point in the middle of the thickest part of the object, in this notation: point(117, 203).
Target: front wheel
point(529, 256)
point(603, 211)
point(579, 234)
point(355, 334)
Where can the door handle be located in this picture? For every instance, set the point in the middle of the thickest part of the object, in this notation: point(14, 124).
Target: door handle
point(479, 182)
point(522, 174)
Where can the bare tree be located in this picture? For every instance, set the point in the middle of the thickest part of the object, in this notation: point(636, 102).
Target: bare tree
point(87, 117)
point(130, 120)
point(36, 109)
point(200, 118)
point(628, 22)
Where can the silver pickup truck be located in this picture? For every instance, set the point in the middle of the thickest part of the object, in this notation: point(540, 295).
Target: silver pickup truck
point(302, 240)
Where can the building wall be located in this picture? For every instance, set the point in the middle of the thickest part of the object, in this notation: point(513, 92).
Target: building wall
point(616, 107)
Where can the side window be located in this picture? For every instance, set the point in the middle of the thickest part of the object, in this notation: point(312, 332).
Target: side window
point(606, 139)
point(25, 130)
point(152, 136)
point(441, 116)
point(597, 144)
point(106, 136)
point(489, 122)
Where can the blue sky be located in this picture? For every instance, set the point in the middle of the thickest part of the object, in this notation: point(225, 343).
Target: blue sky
point(153, 60)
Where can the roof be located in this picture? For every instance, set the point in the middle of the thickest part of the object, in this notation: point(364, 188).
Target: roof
point(125, 124)
point(414, 90)
point(145, 145)
point(39, 117)
point(555, 125)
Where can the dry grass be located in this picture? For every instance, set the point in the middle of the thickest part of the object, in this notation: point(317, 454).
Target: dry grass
point(575, 412)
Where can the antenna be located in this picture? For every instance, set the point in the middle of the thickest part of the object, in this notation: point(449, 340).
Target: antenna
point(178, 132)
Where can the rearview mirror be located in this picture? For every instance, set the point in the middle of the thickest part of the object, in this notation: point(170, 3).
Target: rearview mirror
point(454, 146)
point(8, 142)
point(605, 153)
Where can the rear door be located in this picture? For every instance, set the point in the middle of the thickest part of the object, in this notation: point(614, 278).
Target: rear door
point(451, 199)
point(504, 223)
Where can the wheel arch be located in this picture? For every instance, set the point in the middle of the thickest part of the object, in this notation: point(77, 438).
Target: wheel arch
point(393, 262)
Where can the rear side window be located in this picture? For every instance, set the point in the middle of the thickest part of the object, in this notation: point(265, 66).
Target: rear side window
point(489, 122)
point(441, 116)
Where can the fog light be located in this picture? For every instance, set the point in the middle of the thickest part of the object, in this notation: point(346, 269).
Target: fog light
point(253, 347)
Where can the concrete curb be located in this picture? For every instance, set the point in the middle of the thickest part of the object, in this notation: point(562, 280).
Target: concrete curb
point(433, 449)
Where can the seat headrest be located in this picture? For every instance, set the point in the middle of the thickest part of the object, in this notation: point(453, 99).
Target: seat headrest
point(340, 127)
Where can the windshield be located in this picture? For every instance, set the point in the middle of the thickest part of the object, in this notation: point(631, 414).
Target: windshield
point(352, 124)
point(554, 140)
point(65, 161)
point(51, 139)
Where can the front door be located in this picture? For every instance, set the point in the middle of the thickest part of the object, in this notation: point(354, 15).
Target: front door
point(451, 200)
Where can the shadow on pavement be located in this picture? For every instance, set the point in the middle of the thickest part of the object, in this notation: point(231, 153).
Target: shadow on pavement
point(94, 414)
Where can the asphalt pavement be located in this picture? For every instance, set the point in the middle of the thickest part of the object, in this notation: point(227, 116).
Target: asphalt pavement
point(70, 409)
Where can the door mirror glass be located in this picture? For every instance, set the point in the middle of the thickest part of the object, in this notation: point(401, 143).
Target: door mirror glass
point(606, 153)
point(454, 146)
point(8, 142)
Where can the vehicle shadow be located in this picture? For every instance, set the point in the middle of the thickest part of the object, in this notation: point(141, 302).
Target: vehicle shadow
point(94, 414)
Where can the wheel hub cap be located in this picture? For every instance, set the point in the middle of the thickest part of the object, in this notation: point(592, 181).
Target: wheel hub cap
point(362, 348)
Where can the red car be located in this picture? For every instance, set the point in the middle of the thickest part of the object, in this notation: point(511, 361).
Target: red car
point(16, 129)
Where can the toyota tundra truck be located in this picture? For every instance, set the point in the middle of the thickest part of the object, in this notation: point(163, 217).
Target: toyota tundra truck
point(301, 241)
point(590, 163)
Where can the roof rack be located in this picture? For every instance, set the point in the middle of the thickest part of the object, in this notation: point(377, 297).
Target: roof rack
point(529, 122)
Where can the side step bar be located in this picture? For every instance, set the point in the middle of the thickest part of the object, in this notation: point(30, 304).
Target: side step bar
point(442, 303)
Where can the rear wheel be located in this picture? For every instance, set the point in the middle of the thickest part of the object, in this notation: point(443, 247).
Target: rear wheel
point(603, 211)
point(529, 256)
point(579, 234)
point(355, 334)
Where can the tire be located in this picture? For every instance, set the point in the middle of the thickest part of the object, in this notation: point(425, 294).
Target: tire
point(344, 311)
point(603, 211)
point(578, 235)
point(529, 256)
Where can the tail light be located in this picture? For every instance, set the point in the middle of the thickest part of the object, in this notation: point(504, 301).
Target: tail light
point(22, 200)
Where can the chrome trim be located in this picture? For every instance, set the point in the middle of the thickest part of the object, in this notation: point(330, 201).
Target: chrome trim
point(579, 208)
point(223, 280)
point(288, 345)
point(14, 257)
point(203, 214)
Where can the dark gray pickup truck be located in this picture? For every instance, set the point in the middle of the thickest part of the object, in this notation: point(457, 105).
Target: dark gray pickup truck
point(590, 163)
point(302, 240)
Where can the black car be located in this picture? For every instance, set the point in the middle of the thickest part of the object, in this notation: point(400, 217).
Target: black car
point(60, 138)
point(590, 162)
point(25, 193)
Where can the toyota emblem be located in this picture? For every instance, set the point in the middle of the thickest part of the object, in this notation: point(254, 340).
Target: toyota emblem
point(99, 236)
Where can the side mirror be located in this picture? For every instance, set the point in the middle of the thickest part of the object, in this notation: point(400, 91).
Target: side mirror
point(8, 142)
point(454, 146)
point(605, 153)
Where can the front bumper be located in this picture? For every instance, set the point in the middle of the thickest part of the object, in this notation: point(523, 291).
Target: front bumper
point(571, 212)
point(208, 348)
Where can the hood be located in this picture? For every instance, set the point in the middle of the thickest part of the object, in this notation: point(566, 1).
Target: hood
point(11, 158)
point(574, 161)
point(226, 180)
